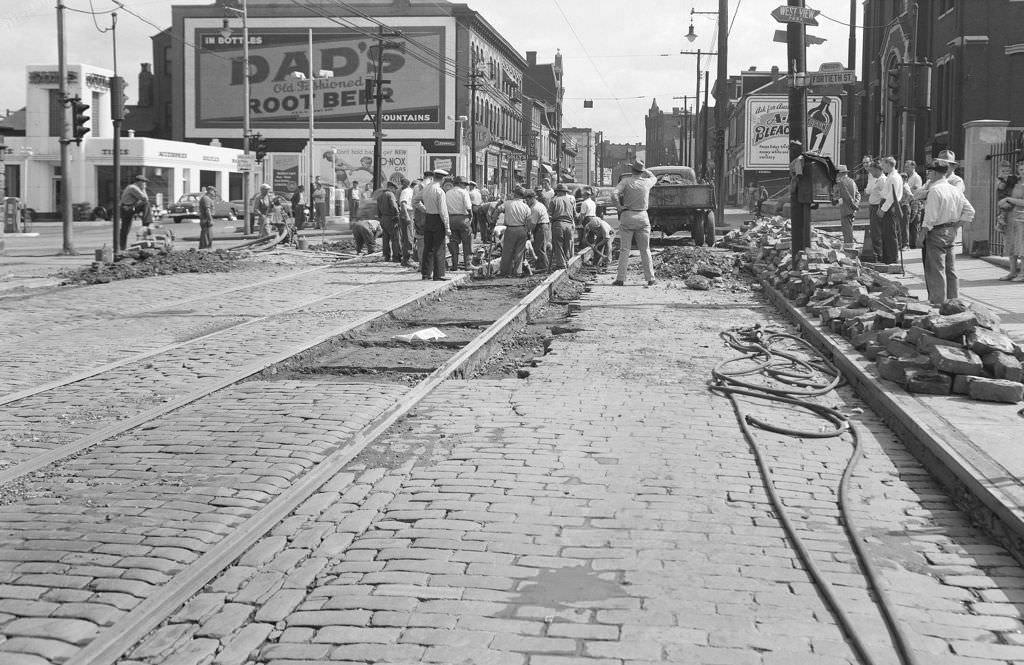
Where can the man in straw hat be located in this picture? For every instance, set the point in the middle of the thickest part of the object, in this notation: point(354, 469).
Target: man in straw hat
point(948, 157)
point(946, 209)
point(632, 195)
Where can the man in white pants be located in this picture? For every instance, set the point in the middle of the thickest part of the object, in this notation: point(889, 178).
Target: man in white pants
point(632, 194)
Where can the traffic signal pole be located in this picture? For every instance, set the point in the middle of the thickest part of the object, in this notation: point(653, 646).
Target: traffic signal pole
point(800, 227)
point(68, 247)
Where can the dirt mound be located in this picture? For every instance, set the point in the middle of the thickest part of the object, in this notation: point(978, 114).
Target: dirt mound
point(138, 263)
point(716, 268)
point(340, 246)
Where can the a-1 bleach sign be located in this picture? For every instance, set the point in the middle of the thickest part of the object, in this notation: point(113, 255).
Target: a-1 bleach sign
point(766, 130)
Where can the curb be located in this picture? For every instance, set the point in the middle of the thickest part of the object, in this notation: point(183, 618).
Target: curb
point(976, 482)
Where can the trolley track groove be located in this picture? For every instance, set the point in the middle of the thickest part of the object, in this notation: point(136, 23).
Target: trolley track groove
point(115, 640)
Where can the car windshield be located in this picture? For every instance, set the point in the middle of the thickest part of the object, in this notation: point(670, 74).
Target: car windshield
point(188, 198)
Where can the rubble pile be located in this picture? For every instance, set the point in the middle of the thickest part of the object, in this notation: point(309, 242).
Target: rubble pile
point(956, 349)
point(699, 268)
point(339, 246)
point(147, 262)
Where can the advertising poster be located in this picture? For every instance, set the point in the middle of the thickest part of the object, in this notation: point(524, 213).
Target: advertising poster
point(766, 144)
point(286, 173)
point(341, 164)
point(414, 66)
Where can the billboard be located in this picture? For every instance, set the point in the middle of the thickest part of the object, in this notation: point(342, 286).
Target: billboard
point(341, 164)
point(766, 131)
point(418, 96)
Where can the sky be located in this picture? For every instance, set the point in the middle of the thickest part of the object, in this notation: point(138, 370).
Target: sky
point(622, 55)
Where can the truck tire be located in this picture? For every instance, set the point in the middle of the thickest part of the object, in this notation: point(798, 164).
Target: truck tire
point(709, 229)
point(697, 229)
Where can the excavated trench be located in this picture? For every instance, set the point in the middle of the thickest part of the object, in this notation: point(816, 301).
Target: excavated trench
point(379, 354)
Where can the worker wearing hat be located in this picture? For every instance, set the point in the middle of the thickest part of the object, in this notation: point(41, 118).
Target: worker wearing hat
point(562, 211)
point(460, 211)
point(477, 200)
point(946, 209)
point(849, 201)
point(948, 157)
point(436, 228)
point(262, 207)
point(518, 224)
point(632, 195)
point(541, 233)
point(134, 201)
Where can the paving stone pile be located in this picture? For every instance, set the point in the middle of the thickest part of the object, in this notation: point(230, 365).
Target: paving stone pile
point(146, 262)
point(958, 348)
point(700, 268)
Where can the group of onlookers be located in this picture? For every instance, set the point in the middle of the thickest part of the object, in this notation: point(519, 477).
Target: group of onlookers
point(906, 211)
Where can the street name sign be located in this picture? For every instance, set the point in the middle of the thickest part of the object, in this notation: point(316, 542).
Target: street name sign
point(787, 14)
point(840, 77)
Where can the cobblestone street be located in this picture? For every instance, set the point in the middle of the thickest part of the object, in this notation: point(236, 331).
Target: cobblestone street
point(604, 510)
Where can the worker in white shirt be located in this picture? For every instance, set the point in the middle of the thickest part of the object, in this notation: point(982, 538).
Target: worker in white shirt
point(946, 209)
point(873, 193)
point(460, 211)
point(436, 228)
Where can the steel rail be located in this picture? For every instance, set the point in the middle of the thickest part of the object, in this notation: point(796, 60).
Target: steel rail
point(51, 456)
point(108, 647)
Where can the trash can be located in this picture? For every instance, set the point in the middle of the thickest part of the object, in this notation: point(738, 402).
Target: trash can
point(12, 214)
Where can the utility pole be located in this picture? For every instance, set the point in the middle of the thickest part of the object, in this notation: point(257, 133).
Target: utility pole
point(246, 128)
point(698, 157)
point(704, 127)
point(853, 133)
point(380, 82)
point(117, 116)
point(722, 108)
point(558, 119)
point(796, 56)
point(473, 75)
point(65, 175)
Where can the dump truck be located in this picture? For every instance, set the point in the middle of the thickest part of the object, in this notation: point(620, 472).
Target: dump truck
point(679, 202)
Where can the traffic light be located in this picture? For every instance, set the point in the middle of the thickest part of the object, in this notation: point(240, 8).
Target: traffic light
point(78, 119)
point(260, 147)
point(893, 84)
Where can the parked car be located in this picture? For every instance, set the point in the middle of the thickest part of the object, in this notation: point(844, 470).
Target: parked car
point(605, 202)
point(188, 207)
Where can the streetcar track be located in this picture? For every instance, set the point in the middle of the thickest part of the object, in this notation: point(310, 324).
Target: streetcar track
point(107, 647)
point(94, 371)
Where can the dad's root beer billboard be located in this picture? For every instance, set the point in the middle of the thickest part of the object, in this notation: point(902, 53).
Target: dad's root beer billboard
point(416, 100)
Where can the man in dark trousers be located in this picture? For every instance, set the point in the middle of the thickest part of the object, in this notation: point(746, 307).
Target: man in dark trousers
point(387, 212)
point(299, 207)
point(436, 228)
point(134, 201)
point(207, 202)
point(353, 194)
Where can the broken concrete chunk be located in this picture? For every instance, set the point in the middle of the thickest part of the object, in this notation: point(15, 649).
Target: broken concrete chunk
point(952, 326)
point(957, 360)
point(895, 369)
point(953, 306)
point(983, 341)
point(927, 343)
point(1002, 365)
point(995, 390)
point(961, 383)
point(915, 333)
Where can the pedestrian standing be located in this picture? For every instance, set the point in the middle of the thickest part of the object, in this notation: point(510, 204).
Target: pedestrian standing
point(946, 209)
point(849, 201)
point(406, 234)
point(419, 218)
point(890, 213)
point(298, 202)
point(263, 208)
point(562, 211)
point(318, 197)
point(353, 194)
point(873, 193)
point(477, 200)
point(632, 195)
point(436, 228)
point(207, 203)
point(545, 194)
point(513, 240)
point(387, 213)
point(460, 210)
point(948, 157)
point(1012, 207)
point(762, 196)
point(134, 201)
point(365, 233)
point(541, 233)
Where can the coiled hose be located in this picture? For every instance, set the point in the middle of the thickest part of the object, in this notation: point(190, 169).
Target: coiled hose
point(803, 379)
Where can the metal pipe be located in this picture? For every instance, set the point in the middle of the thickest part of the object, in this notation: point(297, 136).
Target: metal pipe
point(312, 134)
point(118, 118)
point(722, 109)
point(246, 129)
